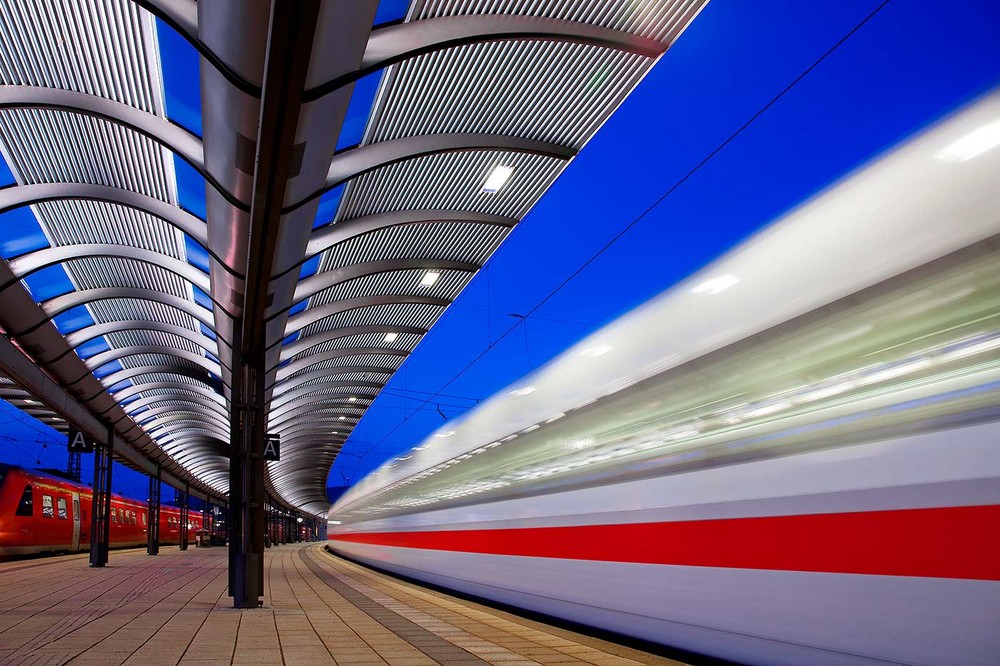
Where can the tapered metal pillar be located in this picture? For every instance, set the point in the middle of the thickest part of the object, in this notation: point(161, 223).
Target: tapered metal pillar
point(100, 506)
point(153, 512)
point(292, 26)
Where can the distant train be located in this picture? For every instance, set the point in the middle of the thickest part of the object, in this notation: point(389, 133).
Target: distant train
point(792, 458)
point(41, 513)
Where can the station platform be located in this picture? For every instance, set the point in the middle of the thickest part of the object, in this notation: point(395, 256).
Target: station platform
point(318, 609)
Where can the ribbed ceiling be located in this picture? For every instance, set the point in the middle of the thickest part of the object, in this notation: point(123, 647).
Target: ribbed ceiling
point(493, 77)
point(105, 48)
point(543, 90)
point(408, 234)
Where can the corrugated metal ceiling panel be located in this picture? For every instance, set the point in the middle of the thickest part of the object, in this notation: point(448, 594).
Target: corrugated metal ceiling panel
point(445, 241)
point(448, 285)
point(551, 91)
point(661, 20)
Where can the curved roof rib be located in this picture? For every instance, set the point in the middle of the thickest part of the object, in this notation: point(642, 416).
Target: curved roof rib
point(395, 43)
point(304, 344)
point(354, 162)
point(88, 333)
point(322, 403)
point(119, 353)
point(174, 137)
point(313, 285)
point(27, 264)
point(26, 195)
point(190, 412)
point(138, 408)
point(329, 235)
point(56, 306)
point(291, 383)
point(294, 396)
point(308, 361)
point(182, 392)
point(137, 389)
point(312, 315)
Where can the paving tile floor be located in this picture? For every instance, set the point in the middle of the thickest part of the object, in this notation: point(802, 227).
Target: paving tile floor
point(318, 609)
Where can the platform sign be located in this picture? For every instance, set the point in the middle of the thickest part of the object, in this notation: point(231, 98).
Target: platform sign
point(272, 447)
point(79, 442)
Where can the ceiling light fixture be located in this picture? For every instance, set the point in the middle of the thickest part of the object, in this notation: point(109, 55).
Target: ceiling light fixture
point(391, 337)
point(497, 179)
point(430, 277)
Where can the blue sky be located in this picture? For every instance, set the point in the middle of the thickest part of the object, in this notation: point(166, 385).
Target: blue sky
point(758, 106)
point(649, 201)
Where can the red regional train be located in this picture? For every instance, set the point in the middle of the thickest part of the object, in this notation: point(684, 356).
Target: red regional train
point(41, 513)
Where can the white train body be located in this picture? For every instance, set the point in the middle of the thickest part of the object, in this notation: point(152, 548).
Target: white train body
point(802, 467)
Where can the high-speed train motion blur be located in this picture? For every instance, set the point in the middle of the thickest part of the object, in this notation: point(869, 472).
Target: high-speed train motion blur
point(791, 458)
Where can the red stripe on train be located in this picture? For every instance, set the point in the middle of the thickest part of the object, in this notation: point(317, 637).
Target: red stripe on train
point(950, 542)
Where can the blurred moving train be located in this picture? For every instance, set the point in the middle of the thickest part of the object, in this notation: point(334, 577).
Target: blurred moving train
point(791, 458)
point(41, 513)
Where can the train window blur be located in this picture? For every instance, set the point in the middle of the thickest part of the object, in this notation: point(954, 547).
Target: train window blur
point(114, 515)
point(131, 517)
point(76, 507)
point(47, 510)
point(26, 505)
point(143, 518)
point(61, 510)
point(918, 352)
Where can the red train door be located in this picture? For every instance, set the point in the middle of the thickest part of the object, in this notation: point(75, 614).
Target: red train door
point(76, 521)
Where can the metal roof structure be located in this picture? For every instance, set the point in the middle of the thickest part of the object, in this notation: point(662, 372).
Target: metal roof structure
point(326, 250)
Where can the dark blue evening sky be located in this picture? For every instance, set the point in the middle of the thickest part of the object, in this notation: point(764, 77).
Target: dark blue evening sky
point(755, 109)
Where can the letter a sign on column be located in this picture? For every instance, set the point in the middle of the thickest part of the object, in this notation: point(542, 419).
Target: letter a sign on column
point(79, 443)
point(272, 447)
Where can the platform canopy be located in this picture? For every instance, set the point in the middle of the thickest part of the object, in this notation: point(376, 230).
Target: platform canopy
point(360, 161)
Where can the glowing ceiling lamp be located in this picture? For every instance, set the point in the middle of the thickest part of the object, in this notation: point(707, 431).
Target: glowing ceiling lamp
point(497, 179)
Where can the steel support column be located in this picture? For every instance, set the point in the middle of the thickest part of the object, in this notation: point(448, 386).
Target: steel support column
point(153, 515)
point(246, 496)
point(289, 45)
point(100, 506)
point(185, 518)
